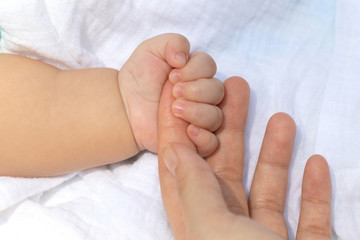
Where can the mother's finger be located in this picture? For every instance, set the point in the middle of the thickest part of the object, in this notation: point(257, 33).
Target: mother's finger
point(200, 195)
point(315, 213)
point(227, 162)
point(171, 129)
point(268, 190)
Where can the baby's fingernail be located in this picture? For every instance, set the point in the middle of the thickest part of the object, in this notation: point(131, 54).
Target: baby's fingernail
point(178, 108)
point(170, 158)
point(195, 131)
point(178, 91)
point(181, 57)
point(174, 76)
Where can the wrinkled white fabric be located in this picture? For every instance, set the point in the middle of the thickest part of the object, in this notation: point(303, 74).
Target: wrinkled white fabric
point(299, 57)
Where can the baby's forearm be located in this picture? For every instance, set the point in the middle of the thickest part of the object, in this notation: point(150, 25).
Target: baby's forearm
point(53, 122)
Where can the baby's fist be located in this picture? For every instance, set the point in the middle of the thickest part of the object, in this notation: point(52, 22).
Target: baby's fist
point(197, 95)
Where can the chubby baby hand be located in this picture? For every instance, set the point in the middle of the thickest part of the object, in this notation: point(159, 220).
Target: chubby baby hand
point(197, 95)
point(141, 81)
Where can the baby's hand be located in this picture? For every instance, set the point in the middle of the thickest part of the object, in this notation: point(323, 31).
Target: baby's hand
point(197, 93)
point(141, 81)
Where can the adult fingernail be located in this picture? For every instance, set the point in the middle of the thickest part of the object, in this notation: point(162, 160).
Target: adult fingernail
point(178, 108)
point(170, 158)
point(178, 91)
point(181, 57)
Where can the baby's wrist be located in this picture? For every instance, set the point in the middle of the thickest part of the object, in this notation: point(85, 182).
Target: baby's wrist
point(128, 133)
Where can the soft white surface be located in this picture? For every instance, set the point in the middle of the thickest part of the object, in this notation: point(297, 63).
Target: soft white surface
point(300, 57)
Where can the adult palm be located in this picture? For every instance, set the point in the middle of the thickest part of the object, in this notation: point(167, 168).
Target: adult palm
point(206, 199)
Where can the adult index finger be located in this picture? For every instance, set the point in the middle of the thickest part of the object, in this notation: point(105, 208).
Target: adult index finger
point(171, 129)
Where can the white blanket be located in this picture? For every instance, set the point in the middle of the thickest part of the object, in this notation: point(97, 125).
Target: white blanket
point(300, 57)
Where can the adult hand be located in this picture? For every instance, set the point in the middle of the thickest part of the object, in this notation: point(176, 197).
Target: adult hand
point(206, 199)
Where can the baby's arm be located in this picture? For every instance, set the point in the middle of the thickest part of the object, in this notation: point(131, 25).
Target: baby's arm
point(53, 122)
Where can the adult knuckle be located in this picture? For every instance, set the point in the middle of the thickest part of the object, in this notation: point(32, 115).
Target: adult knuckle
point(316, 201)
point(226, 173)
point(268, 204)
point(236, 209)
point(315, 230)
point(266, 161)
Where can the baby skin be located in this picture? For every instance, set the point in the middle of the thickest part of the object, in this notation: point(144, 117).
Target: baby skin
point(54, 121)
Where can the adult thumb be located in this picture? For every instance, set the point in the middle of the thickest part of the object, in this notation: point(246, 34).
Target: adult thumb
point(199, 192)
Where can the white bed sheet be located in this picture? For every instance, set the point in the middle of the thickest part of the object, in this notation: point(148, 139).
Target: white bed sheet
point(300, 57)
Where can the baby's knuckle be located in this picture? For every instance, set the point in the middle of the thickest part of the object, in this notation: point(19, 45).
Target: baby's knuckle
point(208, 61)
point(194, 91)
point(212, 65)
point(210, 139)
point(220, 90)
point(218, 119)
point(178, 37)
point(212, 143)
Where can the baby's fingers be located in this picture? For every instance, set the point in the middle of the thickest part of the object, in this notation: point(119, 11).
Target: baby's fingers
point(203, 115)
point(200, 65)
point(209, 91)
point(206, 142)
